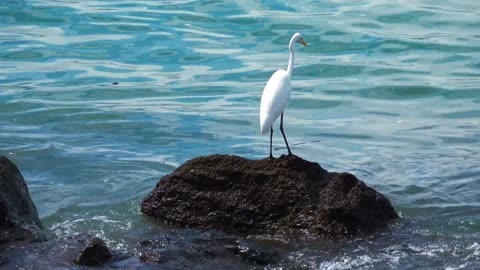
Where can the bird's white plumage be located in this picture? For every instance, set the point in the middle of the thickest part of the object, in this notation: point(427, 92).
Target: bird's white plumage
point(274, 99)
point(276, 95)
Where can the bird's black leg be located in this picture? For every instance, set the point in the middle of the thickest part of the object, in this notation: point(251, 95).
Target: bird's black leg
point(283, 133)
point(271, 136)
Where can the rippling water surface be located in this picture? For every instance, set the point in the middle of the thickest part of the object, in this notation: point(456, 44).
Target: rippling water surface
point(98, 99)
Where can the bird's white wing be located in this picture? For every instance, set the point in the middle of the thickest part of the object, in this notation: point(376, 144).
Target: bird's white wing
point(274, 99)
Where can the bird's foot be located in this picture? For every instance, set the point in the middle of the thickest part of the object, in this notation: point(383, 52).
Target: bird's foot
point(270, 157)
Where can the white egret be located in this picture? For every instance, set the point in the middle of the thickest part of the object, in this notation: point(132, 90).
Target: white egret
point(276, 95)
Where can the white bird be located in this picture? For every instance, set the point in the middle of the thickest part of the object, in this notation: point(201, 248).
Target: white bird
point(276, 95)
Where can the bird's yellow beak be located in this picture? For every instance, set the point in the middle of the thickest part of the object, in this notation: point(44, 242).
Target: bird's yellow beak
point(303, 42)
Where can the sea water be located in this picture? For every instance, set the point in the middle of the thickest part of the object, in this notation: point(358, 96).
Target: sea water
point(99, 99)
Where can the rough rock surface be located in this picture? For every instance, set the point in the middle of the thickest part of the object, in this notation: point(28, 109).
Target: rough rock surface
point(95, 253)
point(197, 250)
point(18, 215)
point(272, 196)
point(179, 249)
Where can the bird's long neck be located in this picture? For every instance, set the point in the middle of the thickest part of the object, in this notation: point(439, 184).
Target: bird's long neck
point(290, 61)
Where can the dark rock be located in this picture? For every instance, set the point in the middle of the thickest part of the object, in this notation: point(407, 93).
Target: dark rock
point(194, 249)
point(18, 216)
point(273, 196)
point(53, 254)
point(95, 253)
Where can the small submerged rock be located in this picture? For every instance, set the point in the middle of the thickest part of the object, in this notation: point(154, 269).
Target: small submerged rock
point(95, 253)
point(274, 196)
point(252, 255)
point(194, 249)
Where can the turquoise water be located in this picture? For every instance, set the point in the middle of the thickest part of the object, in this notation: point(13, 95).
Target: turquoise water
point(387, 90)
